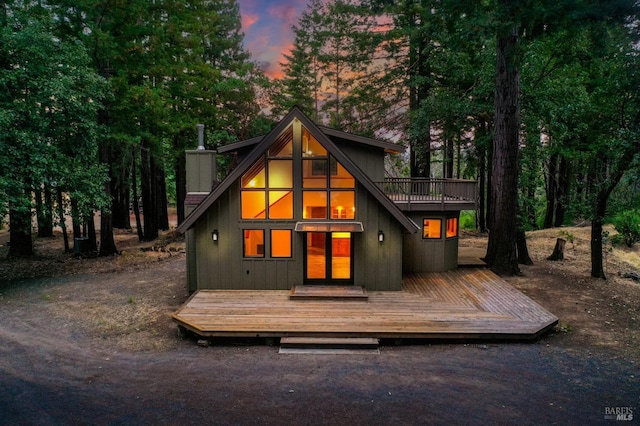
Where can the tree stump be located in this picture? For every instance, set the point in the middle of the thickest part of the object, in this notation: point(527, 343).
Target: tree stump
point(558, 250)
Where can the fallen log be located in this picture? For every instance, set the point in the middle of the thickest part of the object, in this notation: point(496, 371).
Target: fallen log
point(558, 250)
point(633, 275)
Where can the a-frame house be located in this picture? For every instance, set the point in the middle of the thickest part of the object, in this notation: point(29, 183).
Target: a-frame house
point(310, 205)
point(307, 238)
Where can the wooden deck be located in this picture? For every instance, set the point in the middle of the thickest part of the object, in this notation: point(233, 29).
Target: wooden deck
point(459, 304)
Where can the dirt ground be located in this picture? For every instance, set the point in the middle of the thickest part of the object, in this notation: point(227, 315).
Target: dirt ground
point(91, 341)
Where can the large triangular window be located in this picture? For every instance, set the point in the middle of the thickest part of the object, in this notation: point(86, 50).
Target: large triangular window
point(327, 188)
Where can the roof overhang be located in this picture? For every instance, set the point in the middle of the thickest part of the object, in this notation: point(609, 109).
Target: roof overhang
point(329, 226)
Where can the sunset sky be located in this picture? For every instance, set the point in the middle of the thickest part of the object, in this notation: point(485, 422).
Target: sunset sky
point(267, 28)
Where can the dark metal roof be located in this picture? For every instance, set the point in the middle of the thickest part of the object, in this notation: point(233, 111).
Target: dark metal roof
point(388, 147)
point(326, 142)
point(335, 135)
point(239, 145)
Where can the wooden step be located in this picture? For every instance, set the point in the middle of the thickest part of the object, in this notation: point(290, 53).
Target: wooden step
point(329, 345)
point(330, 292)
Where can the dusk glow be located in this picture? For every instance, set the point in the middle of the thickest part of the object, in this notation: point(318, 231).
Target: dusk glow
point(267, 30)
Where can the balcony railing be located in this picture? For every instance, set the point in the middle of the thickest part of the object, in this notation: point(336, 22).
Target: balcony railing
point(429, 191)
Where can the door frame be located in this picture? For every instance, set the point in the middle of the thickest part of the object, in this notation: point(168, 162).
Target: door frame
point(328, 262)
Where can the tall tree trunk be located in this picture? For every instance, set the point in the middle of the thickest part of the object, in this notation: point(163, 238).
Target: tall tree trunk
point(91, 234)
point(531, 208)
point(120, 201)
point(602, 198)
point(501, 251)
point(521, 244)
point(161, 197)
point(20, 231)
point(482, 135)
point(563, 192)
point(44, 212)
point(597, 265)
point(489, 209)
point(420, 134)
point(62, 223)
point(75, 221)
point(482, 158)
point(181, 185)
point(551, 190)
point(148, 194)
point(107, 242)
point(136, 206)
point(448, 162)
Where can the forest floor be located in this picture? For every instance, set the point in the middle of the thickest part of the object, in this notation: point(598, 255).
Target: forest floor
point(97, 332)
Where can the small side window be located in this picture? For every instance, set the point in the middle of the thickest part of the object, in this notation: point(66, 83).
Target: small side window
point(280, 243)
point(253, 242)
point(432, 228)
point(452, 227)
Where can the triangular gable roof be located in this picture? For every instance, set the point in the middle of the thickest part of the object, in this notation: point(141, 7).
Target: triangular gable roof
point(266, 142)
point(388, 147)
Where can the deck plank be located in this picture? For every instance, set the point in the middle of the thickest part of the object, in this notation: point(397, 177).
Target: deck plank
point(464, 303)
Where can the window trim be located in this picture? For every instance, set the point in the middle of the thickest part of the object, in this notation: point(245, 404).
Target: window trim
point(244, 244)
point(439, 237)
point(271, 255)
point(457, 228)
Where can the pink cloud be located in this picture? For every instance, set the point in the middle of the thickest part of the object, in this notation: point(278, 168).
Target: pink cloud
point(248, 20)
point(267, 29)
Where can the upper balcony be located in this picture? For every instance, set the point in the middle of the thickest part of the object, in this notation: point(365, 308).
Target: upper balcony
point(426, 194)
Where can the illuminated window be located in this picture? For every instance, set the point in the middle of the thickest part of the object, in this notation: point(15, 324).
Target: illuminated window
point(283, 146)
point(267, 187)
point(253, 242)
point(280, 204)
point(343, 205)
point(314, 173)
point(431, 228)
point(253, 204)
point(255, 177)
point(452, 227)
point(280, 243)
point(341, 178)
point(280, 174)
point(314, 205)
point(310, 145)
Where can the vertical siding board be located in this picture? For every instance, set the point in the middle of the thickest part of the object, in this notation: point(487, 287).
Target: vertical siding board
point(234, 254)
point(260, 274)
point(370, 262)
point(192, 261)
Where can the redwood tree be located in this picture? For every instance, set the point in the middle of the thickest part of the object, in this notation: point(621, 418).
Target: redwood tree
point(501, 250)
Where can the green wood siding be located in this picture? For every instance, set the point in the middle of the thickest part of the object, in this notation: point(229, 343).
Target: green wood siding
point(429, 255)
point(370, 160)
point(220, 265)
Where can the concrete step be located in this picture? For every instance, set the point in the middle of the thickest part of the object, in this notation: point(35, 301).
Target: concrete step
point(330, 342)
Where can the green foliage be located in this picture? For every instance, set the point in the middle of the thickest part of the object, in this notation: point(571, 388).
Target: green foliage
point(567, 235)
point(627, 224)
point(467, 220)
point(48, 107)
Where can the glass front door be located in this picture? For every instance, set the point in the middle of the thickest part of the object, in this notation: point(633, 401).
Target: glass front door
point(328, 258)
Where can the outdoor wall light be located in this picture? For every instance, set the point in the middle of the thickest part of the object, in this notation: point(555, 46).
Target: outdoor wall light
point(214, 235)
point(380, 236)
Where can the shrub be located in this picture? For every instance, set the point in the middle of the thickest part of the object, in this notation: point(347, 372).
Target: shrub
point(467, 219)
point(628, 226)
